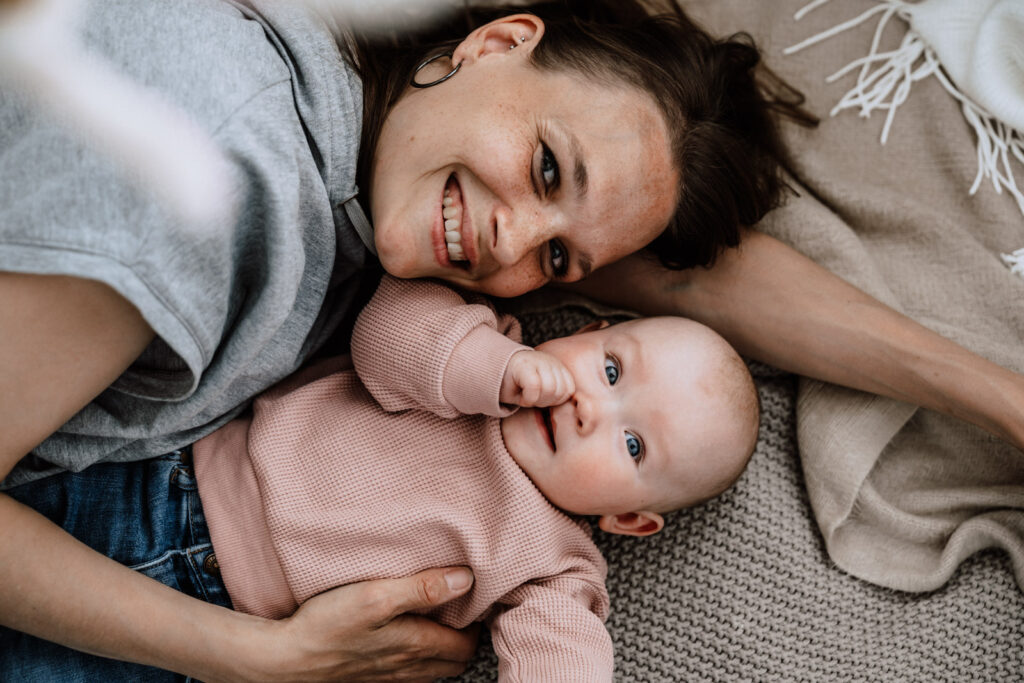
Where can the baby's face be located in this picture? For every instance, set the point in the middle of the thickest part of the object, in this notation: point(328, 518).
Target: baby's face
point(641, 429)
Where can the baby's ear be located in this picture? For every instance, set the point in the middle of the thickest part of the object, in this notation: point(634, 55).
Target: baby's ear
point(590, 327)
point(632, 523)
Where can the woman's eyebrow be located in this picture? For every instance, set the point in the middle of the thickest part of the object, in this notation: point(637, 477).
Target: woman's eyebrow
point(580, 181)
point(585, 261)
point(575, 151)
point(579, 174)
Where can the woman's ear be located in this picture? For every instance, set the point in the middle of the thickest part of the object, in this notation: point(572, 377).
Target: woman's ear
point(522, 31)
point(632, 523)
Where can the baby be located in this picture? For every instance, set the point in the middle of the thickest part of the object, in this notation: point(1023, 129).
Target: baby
point(419, 458)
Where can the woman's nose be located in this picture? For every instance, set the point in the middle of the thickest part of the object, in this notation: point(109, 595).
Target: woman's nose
point(517, 237)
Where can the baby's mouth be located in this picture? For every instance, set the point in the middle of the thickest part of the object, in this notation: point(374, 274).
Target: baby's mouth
point(549, 427)
point(451, 211)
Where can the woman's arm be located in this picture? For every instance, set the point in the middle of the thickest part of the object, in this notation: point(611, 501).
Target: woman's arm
point(777, 306)
point(64, 341)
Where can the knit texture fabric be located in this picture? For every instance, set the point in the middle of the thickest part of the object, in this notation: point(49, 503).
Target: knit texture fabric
point(902, 496)
point(337, 480)
point(741, 588)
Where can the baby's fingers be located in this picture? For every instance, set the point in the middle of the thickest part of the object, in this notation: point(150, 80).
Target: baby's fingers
point(531, 387)
point(564, 386)
point(556, 386)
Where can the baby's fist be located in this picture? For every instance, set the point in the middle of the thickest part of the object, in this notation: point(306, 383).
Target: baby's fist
point(536, 379)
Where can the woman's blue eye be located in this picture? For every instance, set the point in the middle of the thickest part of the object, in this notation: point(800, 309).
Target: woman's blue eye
point(634, 446)
point(611, 370)
point(559, 259)
point(548, 169)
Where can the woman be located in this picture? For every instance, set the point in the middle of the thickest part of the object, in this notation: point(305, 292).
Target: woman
point(557, 164)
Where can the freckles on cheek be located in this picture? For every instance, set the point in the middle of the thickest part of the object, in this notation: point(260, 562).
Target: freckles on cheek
point(506, 143)
point(506, 284)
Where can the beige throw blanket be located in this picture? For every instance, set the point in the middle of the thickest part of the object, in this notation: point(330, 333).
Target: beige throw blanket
point(902, 496)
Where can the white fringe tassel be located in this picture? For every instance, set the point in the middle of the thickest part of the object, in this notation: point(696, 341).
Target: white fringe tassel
point(1015, 261)
point(884, 83)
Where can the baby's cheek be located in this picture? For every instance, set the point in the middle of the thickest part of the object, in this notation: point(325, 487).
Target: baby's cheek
point(595, 483)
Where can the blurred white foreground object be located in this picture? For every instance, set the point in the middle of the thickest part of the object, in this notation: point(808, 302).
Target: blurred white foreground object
point(157, 145)
point(382, 15)
point(975, 49)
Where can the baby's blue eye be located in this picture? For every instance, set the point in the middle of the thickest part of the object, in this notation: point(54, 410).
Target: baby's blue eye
point(634, 446)
point(611, 370)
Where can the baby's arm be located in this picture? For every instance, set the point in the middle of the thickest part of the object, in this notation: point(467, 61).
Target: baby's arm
point(553, 630)
point(419, 344)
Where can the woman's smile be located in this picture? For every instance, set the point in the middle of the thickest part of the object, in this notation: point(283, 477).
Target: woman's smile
point(453, 235)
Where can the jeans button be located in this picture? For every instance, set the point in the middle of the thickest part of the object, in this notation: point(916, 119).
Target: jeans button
point(211, 566)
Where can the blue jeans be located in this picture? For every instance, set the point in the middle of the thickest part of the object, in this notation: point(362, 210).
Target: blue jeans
point(146, 515)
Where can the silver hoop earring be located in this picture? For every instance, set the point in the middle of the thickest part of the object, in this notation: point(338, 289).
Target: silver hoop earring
point(431, 60)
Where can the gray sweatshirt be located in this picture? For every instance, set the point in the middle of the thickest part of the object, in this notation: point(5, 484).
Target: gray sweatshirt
point(236, 308)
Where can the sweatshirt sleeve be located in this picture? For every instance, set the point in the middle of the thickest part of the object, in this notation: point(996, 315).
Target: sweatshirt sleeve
point(419, 344)
point(553, 630)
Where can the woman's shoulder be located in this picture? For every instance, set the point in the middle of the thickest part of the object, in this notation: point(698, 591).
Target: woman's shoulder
point(203, 56)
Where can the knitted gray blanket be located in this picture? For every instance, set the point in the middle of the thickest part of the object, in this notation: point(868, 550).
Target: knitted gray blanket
point(901, 495)
point(741, 588)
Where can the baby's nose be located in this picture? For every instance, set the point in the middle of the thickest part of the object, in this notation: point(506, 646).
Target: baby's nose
point(585, 410)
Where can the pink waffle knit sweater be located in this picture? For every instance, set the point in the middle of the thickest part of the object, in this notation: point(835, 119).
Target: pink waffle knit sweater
point(339, 477)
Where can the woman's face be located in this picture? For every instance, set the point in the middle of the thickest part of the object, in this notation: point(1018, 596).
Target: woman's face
point(547, 175)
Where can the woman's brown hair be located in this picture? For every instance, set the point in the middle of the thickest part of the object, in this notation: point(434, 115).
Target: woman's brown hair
point(719, 100)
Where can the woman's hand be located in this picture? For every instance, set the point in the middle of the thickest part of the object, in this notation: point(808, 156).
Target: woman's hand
point(363, 632)
point(66, 339)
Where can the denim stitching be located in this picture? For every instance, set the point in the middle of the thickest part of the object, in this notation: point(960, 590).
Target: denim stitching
point(196, 569)
point(190, 520)
point(170, 553)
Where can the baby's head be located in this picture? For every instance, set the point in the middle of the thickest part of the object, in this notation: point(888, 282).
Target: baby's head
point(664, 416)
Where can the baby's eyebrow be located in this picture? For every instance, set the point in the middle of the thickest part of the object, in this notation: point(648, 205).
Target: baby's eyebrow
point(634, 356)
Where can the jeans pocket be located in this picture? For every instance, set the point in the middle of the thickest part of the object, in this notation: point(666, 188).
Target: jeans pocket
point(193, 571)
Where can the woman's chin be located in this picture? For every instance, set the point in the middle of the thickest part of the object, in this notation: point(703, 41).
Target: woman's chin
point(399, 264)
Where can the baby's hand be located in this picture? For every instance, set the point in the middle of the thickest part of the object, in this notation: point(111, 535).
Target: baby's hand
point(535, 378)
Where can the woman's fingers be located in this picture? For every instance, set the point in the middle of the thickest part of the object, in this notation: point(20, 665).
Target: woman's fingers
point(428, 643)
point(361, 632)
point(427, 589)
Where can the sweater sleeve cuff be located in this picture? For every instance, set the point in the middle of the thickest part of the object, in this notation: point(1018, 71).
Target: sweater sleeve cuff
point(472, 378)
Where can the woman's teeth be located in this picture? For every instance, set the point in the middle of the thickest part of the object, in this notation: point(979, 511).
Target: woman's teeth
point(452, 229)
